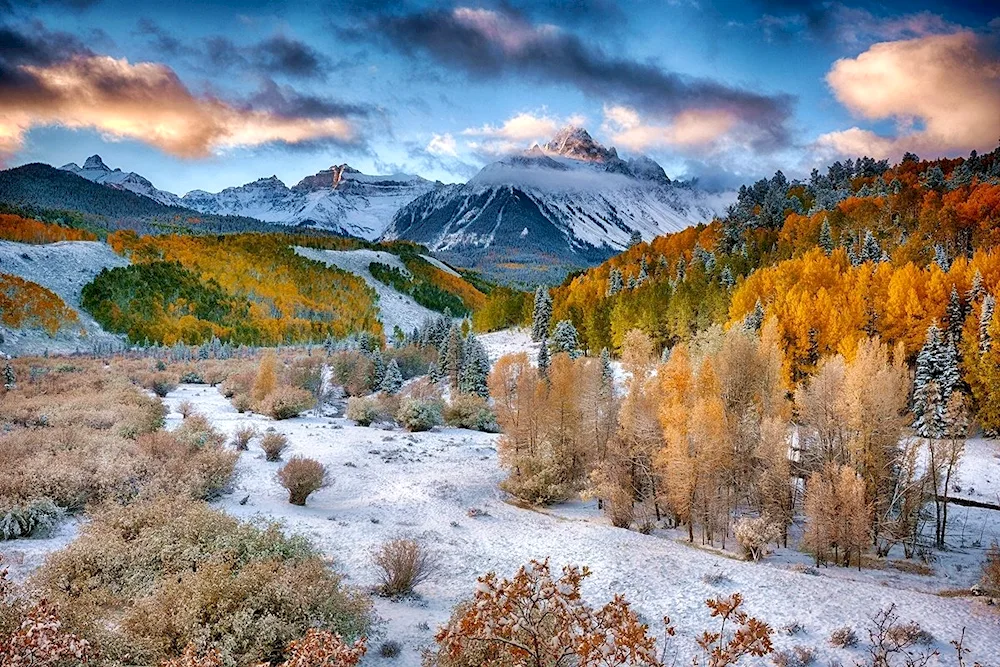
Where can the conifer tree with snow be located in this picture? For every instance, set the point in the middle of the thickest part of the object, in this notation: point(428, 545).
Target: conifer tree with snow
point(544, 359)
point(434, 372)
point(392, 380)
point(451, 362)
point(755, 319)
point(643, 272)
point(977, 290)
point(681, 269)
point(726, 278)
point(870, 249)
point(475, 369)
point(985, 319)
point(937, 376)
point(956, 316)
point(826, 237)
point(941, 258)
point(615, 282)
point(607, 372)
point(9, 379)
point(632, 284)
point(378, 367)
point(565, 339)
point(635, 238)
point(541, 316)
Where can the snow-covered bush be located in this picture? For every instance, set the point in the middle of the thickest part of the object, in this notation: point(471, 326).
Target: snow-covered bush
point(185, 409)
point(419, 415)
point(401, 565)
point(538, 481)
point(160, 384)
point(243, 435)
point(301, 476)
point(273, 444)
point(364, 410)
point(286, 402)
point(754, 534)
point(149, 578)
point(197, 431)
point(472, 412)
point(33, 519)
point(188, 467)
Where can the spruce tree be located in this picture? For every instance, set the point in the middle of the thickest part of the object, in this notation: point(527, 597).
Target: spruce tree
point(378, 367)
point(541, 316)
point(941, 258)
point(826, 237)
point(607, 372)
point(9, 379)
point(977, 290)
point(566, 339)
point(956, 316)
point(635, 238)
point(985, 319)
point(755, 319)
point(615, 282)
point(392, 380)
point(475, 370)
point(544, 359)
point(870, 250)
point(643, 272)
point(681, 269)
point(726, 278)
point(451, 367)
point(937, 376)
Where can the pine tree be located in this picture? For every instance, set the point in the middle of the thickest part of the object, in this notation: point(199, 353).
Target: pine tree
point(451, 366)
point(985, 319)
point(475, 370)
point(541, 316)
point(643, 272)
point(681, 269)
point(632, 283)
point(565, 339)
point(615, 282)
point(956, 316)
point(392, 380)
point(607, 372)
point(755, 319)
point(434, 372)
point(870, 250)
point(941, 258)
point(544, 360)
point(9, 379)
point(378, 367)
point(977, 290)
point(726, 278)
point(937, 376)
point(635, 238)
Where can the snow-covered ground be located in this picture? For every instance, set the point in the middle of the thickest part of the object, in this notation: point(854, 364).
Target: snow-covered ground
point(395, 309)
point(63, 268)
point(388, 484)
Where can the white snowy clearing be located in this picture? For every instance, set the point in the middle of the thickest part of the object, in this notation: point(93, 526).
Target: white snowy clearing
point(63, 268)
point(395, 309)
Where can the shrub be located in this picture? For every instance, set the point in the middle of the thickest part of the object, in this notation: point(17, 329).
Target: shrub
point(286, 402)
point(401, 565)
point(364, 410)
point(844, 637)
point(302, 476)
point(266, 379)
point(307, 373)
point(196, 431)
point(185, 409)
point(144, 580)
point(174, 466)
point(161, 384)
point(353, 371)
point(754, 534)
point(192, 377)
point(273, 445)
point(390, 649)
point(472, 412)
point(37, 518)
point(799, 656)
point(418, 414)
point(242, 403)
point(412, 360)
point(243, 435)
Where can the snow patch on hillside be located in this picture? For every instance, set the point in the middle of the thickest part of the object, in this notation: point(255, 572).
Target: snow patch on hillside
point(64, 268)
point(441, 265)
point(395, 309)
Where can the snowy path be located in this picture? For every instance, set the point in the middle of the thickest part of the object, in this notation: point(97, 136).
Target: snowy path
point(390, 483)
point(395, 309)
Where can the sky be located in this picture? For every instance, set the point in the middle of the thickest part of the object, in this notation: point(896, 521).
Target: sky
point(207, 95)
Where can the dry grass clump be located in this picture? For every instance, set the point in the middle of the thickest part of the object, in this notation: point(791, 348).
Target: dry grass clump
point(144, 581)
point(301, 476)
point(273, 444)
point(401, 565)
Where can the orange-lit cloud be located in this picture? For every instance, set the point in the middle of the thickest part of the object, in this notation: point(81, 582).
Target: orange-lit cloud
point(517, 132)
point(943, 92)
point(702, 129)
point(149, 103)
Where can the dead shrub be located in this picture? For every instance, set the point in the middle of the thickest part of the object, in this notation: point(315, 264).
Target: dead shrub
point(301, 476)
point(185, 409)
point(243, 435)
point(844, 637)
point(273, 444)
point(401, 565)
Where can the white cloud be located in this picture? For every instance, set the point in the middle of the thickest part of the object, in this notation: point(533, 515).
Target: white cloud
point(518, 132)
point(691, 129)
point(443, 145)
point(943, 92)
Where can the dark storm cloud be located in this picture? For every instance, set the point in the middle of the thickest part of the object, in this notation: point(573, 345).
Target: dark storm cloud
point(279, 55)
point(288, 102)
point(487, 44)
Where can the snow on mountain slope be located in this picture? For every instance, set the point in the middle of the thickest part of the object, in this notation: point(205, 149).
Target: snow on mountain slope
point(339, 198)
point(95, 170)
point(572, 202)
point(64, 268)
point(395, 309)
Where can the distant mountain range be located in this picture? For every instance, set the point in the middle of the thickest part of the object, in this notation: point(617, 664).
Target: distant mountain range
point(569, 203)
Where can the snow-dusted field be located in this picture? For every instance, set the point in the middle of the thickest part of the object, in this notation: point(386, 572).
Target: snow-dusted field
point(63, 268)
point(391, 483)
point(395, 309)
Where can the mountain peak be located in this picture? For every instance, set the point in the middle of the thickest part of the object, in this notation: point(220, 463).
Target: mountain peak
point(95, 162)
point(575, 142)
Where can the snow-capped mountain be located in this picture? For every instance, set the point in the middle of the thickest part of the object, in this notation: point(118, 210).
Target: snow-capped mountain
point(95, 170)
point(339, 198)
point(569, 203)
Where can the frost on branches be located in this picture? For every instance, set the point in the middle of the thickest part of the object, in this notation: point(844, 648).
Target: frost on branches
point(537, 620)
point(319, 648)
